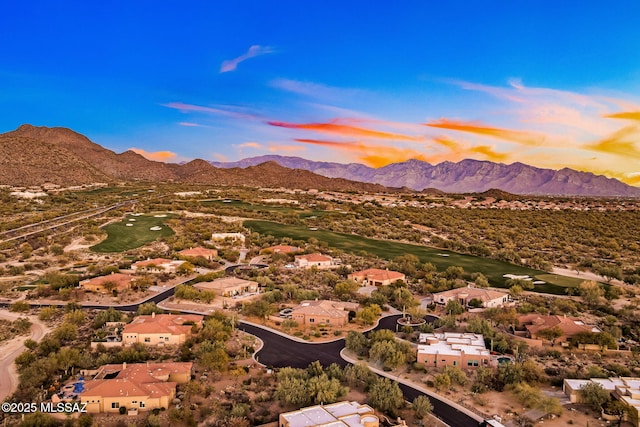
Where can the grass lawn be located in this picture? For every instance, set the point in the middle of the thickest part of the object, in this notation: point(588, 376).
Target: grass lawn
point(121, 237)
point(441, 258)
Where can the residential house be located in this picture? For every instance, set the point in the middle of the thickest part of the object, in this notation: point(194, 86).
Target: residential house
point(339, 414)
point(108, 283)
point(486, 297)
point(283, 249)
point(313, 260)
point(569, 326)
point(323, 312)
point(157, 264)
point(625, 389)
point(229, 286)
point(376, 277)
point(160, 329)
point(208, 254)
point(139, 386)
point(465, 350)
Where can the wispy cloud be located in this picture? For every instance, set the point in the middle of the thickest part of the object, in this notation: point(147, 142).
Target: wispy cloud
point(227, 111)
point(316, 90)
point(282, 148)
point(489, 153)
point(255, 50)
point(159, 156)
point(526, 138)
point(192, 125)
point(337, 128)
point(628, 115)
point(249, 144)
point(620, 143)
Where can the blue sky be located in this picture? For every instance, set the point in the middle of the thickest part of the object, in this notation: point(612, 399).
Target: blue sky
point(551, 84)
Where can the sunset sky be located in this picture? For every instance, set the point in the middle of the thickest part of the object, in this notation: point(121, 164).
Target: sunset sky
point(548, 83)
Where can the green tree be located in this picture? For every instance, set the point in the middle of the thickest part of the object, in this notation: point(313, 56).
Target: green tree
point(386, 396)
point(594, 395)
point(591, 292)
point(421, 406)
point(148, 308)
point(346, 289)
point(368, 315)
point(292, 391)
point(442, 382)
point(454, 308)
point(551, 334)
point(357, 342)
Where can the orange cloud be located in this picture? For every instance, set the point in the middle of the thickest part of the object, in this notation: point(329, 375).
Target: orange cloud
point(621, 143)
point(336, 128)
point(248, 145)
point(629, 115)
point(275, 148)
point(525, 138)
point(372, 155)
point(489, 153)
point(447, 142)
point(159, 156)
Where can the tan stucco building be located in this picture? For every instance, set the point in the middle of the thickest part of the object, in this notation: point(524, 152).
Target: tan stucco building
point(108, 283)
point(489, 298)
point(140, 386)
point(323, 312)
point(160, 329)
point(313, 260)
point(376, 277)
point(465, 350)
point(339, 414)
point(229, 286)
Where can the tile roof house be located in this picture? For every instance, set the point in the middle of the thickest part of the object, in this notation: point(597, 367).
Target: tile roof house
point(488, 297)
point(205, 253)
point(105, 284)
point(570, 326)
point(313, 260)
point(323, 312)
point(283, 249)
point(339, 414)
point(141, 386)
point(229, 286)
point(376, 277)
point(465, 350)
point(160, 329)
point(157, 264)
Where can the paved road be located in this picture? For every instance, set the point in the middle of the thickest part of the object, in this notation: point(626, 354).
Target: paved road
point(279, 351)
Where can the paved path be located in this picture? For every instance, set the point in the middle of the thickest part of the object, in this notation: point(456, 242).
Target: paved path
point(9, 351)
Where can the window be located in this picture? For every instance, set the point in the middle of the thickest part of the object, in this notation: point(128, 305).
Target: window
point(147, 339)
point(469, 363)
point(455, 363)
point(134, 401)
point(166, 338)
point(115, 405)
point(141, 404)
point(312, 320)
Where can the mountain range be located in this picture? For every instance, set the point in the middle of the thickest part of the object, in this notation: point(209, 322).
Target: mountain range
point(33, 155)
point(466, 176)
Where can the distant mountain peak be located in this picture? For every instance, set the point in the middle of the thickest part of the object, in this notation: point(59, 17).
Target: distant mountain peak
point(465, 176)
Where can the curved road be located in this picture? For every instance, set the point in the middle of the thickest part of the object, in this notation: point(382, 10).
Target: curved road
point(280, 351)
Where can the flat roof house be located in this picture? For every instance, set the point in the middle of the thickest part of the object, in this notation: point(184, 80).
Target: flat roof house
point(229, 286)
point(313, 260)
point(465, 350)
point(283, 249)
point(340, 414)
point(160, 329)
point(625, 389)
point(376, 277)
point(140, 386)
point(108, 283)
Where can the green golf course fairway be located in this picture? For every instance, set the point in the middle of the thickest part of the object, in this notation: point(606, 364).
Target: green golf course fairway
point(121, 237)
point(441, 258)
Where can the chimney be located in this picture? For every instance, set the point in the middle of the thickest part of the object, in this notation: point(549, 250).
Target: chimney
point(124, 365)
point(153, 315)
